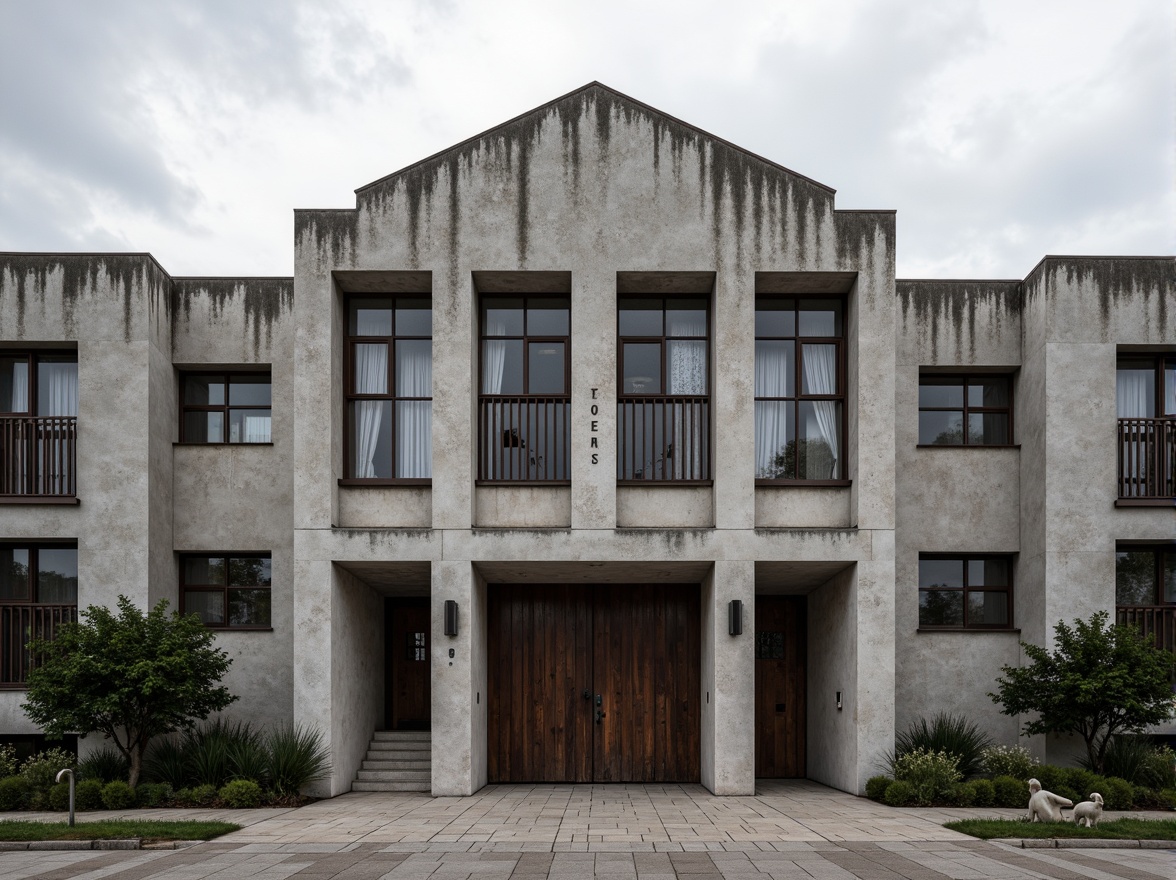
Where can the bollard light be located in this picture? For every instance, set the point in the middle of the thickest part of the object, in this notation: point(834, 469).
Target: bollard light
point(71, 792)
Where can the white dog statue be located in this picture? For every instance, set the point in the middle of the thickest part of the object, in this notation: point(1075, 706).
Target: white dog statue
point(1045, 806)
point(1089, 811)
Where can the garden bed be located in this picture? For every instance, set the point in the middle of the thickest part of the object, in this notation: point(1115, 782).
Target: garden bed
point(147, 831)
point(1114, 829)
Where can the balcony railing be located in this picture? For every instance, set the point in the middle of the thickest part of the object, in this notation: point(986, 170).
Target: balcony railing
point(1147, 459)
point(663, 439)
point(524, 439)
point(18, 624)
point(1156, 621)
point(38, 456)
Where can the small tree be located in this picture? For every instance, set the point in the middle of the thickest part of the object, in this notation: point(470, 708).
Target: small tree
point(1099, 680)
point(130, 676)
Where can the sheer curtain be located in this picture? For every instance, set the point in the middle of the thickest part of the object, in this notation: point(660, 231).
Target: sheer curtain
point(687, 375)
point(1134, 399)
point(257, 429)
point(1133, 394)
point(19, 402)
point(59, 388)
point(820, 376)
point(772, 362)
point(493, 368)
point(414, 418)
point(371, 377)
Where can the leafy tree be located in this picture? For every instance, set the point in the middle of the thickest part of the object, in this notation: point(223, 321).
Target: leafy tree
point(1099, 680)
point(801, 459)
point(130, 676)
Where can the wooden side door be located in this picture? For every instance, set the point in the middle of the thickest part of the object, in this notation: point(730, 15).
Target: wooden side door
point(539, 649)
point(780, 674)
point(646, 652)
point(406, 628)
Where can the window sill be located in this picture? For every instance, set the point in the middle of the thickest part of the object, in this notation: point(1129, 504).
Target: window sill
point(967, 446)
point(553, 484)
point(39, 499)
point(356, 482)
point(665, 484)
point(1145, 502)
point(802, 484)
point(194, 443)
point(922, 630)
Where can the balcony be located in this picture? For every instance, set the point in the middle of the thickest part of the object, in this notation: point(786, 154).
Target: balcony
point(1156, 621)
point(524, 440)
point(663, 440)
point(1147, 461)
point(20, 622)
point(38, 458)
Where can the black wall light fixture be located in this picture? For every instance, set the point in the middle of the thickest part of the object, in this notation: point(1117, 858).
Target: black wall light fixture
point(735, 617)
point(450, 617)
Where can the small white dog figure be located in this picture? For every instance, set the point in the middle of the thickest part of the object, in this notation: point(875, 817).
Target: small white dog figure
point(1089, 811)
point(1045, 806)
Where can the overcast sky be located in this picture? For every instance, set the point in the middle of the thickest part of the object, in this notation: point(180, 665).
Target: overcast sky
point(1000, 131)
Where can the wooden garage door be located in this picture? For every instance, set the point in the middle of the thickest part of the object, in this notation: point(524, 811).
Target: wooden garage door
point(780, 653)
point(594, 683)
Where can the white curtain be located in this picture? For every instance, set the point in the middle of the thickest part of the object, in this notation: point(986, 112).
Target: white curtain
point(414, 418)
point(59, 388)
point(773, 360)
point(1133, 394)
point(371, 377)
point(687, 375)
point(1170, 390)
point(20, 388)
point(493, 368)
point(820, 376)
point(257, 429)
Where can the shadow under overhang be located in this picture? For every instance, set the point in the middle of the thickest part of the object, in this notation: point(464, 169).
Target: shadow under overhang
point(392, 578)
point(593, 572)
point(795, 578)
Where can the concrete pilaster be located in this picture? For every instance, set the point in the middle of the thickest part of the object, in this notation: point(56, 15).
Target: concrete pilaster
point(728, 681)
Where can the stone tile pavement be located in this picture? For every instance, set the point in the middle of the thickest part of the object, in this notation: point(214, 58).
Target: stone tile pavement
point(789, 829)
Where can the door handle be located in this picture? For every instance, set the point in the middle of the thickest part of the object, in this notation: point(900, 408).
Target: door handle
point(599, 715)
point(587, 695)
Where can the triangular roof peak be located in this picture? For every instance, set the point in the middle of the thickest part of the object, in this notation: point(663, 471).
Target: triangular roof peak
point(614, 96)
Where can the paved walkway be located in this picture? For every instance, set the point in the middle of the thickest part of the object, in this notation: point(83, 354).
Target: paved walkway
point(612, 832)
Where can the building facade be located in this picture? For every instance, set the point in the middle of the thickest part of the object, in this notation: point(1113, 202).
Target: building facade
point(600, 449)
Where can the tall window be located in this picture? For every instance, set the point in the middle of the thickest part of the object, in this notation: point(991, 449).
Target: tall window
point(38, 423)
point(226, 408)
point(1145, 388)
point(663, 409)
point(389, 388)
point(38, 593)
point(524, 410)
point(964, 411)
point(227, 590)
point(965, 592)
point(799, 390)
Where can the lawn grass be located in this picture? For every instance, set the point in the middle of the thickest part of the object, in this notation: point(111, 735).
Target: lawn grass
point(1116, 829)
point(114, 829)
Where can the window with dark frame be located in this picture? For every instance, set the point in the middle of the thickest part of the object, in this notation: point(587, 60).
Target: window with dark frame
point(799, 390)
point(965, 592)
point(38, 424)
point(1145, 576)
point(663, 404)
point(225, 407)
point(226, 590)
point(1145, 401)
point(965, 410)
point(389, 389)
point(524, 403)
point(1146, 386)
point(38, 593)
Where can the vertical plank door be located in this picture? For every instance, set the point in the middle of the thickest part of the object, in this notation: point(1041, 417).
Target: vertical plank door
point(780, 653)
point(407, 644)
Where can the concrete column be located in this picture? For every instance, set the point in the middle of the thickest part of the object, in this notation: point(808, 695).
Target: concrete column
point(312, 655)
point(454, 396)
point(594, 368)
point(874, 697)
point(318, 390)
point(728, 681)
point(733, 398)
point(458, 682)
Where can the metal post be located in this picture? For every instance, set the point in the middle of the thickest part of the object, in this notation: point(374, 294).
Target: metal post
point(71, 793)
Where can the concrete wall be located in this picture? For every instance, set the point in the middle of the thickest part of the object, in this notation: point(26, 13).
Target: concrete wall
point(832, 666)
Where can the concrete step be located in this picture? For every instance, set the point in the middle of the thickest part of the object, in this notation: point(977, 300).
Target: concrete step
point(380, 764)
point(399, 755)
point(412, 745)
point(393, 776)
point(391, 786)
point(402, 735)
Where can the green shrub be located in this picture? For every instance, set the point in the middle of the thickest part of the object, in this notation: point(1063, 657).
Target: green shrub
point(962, 794)
point(199, 796)
point(1118, 794)
point(1147, 798)
point(1010, 792)
point(41, 769)
point(38, 799)
point(932, 774)
point(249, 757)
point(1012, 761)
point(1051, 777)
point(876, 787)
point(14, 793)
point(8, 763)
point(985, 793)
point(105, 765)
point(59, 796)
point(1136, 760)
point(88, 794)
point(118, 795)
point(241, 794)
point(899, 794)
point(206, 753)
point(1083, 781)
point(153, 794)
point(1168, 798)
point(1158, 770)
point(953, 734)
point(166, 762)
point(297, 757)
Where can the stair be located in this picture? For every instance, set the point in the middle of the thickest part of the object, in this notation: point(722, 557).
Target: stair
point(397, 760)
